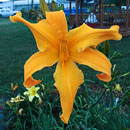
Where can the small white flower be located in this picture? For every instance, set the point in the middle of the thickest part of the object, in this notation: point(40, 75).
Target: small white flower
point(17, 99)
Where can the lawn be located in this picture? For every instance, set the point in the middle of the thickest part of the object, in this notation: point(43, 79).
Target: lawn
point(17, 45)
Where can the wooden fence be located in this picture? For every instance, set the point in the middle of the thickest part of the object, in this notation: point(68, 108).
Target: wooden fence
point(105, 21)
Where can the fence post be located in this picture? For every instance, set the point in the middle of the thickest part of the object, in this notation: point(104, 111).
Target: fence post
point(120, 6)
point(127, 14)
point(77, 13)
point(101, 13)
point(70, 7)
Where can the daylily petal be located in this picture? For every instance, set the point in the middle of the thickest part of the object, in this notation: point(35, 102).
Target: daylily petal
point(67, 80)
point(58, 20)
point(37, 88)
point(45, 35)
point(29, 89)
point(35, 63)
point(26, 93)
point(95, 60)
point(84, 36)
point(31, 98)
point(37, 96)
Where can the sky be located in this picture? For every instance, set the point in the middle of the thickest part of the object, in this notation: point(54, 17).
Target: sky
point(8, 0)
point(3, 0)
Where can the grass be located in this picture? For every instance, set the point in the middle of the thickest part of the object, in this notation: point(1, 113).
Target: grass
point(123, 47)
point(17, 45)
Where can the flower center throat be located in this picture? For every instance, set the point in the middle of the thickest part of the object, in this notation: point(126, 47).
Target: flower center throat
point(64, 52)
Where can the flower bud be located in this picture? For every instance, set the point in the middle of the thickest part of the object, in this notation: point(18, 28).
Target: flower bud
point(20, 111)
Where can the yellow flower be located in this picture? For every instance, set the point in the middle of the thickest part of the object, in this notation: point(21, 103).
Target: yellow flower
point(32, 92)
point(17, 99)
point(56, 44)
point(118, 87)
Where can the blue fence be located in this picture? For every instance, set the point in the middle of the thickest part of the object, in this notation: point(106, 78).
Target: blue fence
point(73, 11)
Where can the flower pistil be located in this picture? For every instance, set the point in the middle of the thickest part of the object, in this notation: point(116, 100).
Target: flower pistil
point(64, 52)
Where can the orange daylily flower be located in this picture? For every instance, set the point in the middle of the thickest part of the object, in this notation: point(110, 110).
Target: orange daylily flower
point(56, 44)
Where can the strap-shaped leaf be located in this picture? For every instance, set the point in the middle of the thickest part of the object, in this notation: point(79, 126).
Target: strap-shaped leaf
point(107, 48)
point(61, 7)
point(54, 6)
point(44, 6)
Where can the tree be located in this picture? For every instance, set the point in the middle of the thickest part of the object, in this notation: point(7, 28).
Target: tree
point(32, 4)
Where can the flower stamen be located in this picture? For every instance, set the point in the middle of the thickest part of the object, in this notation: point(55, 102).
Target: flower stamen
point(64, 52)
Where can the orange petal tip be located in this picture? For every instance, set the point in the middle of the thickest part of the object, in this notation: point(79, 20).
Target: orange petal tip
point(14, 18)
point(64, 119)
point(31, 82)
point(104, 77)
point(118, 36)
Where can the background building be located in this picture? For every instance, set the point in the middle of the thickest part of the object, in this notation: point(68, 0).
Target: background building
point(27, 4)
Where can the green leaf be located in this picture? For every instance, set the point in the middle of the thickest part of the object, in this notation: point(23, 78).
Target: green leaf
point(126, 74)
point(115, 55)
point(101, 49)
point(107, 48)
point(61, 7)
point(54, 6)
point(44, 6)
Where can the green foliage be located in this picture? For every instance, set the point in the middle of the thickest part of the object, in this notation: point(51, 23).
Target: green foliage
point(54, 5)
point(61, 7)
point(44, 6)
point(38, 15)
point(93, 109)
point(105, 49)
